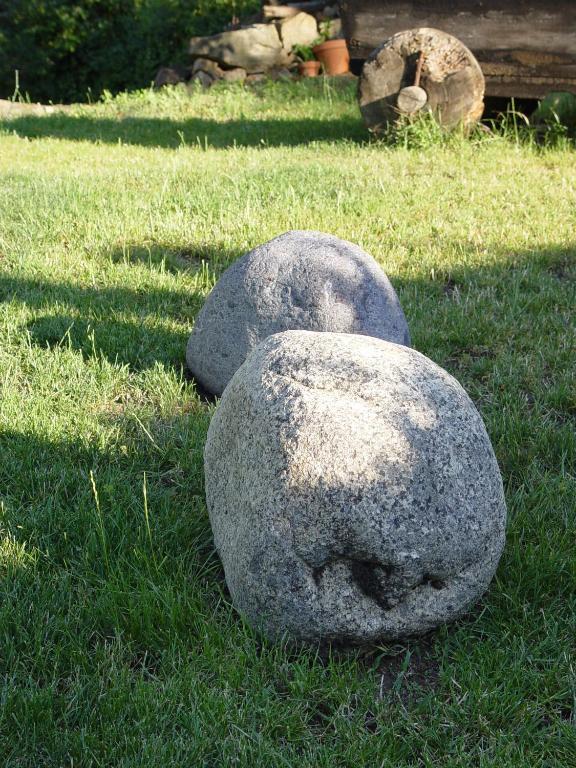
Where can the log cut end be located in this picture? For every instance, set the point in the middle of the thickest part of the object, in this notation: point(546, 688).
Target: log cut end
point(421, 70)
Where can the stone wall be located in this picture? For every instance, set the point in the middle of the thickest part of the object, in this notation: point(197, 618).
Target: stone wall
point(249, 52)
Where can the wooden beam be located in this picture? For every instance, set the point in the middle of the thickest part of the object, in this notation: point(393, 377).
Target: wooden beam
point(524, 47)
point(291, 9)
point(310, 6)
point(279, 11)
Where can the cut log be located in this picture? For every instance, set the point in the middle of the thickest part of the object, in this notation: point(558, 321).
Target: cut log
point(421, 70)
point(309, 5)
point(279, 11)
point(411, 100)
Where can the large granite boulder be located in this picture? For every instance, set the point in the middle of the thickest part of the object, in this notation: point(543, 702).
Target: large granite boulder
point(352, 490)
point(256, 48)
point(299, 281)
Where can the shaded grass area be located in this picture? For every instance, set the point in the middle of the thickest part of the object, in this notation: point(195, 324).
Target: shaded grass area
point(158, 132)
point(118, 643)
point(225, 117)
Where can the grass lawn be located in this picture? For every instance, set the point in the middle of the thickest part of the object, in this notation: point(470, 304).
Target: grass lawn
point(118, 642)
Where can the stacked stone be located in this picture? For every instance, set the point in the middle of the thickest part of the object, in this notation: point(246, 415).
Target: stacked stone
point(245, 54)
point(352, 489)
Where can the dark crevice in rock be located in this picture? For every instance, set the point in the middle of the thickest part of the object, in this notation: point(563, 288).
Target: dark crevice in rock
point(371, 578)
point(204, 394)
point(433, 581)
point(368, 576)
point(317, 574)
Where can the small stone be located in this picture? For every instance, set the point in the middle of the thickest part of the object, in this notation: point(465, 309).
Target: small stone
point(207, 65)
point(352, 489)
point(236, 75)
point(256, 77)
point(203, 78)
point(280, 74)
point(300, 280)
point(167, 76)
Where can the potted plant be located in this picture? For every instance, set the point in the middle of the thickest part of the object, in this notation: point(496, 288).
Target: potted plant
point(308, 64)
point(333, 54)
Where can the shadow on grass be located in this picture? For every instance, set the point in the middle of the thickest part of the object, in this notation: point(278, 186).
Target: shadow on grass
point(132, 326)
point(200, 132)
point(498, 327)
point(136, 345)
point(128, 326)
point(166, 256)
point(48, 497)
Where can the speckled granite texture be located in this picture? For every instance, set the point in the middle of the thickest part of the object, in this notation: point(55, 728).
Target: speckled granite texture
point(352, 489)
point(298, 281)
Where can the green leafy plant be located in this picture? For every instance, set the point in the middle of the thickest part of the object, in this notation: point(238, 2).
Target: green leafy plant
point(304, 52)
point(556, 115)
point(324, 28)
point(65, 50)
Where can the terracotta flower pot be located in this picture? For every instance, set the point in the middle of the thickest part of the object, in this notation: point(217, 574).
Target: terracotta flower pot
point(334, 56)
point(309, 68)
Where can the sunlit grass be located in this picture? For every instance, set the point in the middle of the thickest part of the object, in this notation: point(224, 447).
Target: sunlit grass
point(118, 644)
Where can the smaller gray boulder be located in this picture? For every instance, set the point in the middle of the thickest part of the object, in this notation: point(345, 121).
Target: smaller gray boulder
point(201, 77)
point(301, 280)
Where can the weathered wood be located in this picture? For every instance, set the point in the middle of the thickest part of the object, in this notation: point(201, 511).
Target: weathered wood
point(283, 11)
point(525, 48)
point(411, 99)
point(421, 69)
point(279, 11)
point(309, 5)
